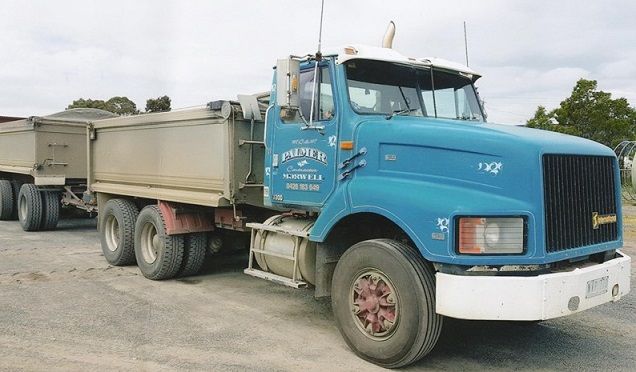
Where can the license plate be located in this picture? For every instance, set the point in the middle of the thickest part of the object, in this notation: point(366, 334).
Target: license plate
point(596, 287)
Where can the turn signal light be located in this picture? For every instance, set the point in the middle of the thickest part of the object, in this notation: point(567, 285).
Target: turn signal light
point(346, 145)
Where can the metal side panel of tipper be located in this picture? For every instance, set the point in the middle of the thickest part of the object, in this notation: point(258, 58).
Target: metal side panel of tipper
point(297, 235)
point(51, 151)
point(17, 147)
point(178, 156)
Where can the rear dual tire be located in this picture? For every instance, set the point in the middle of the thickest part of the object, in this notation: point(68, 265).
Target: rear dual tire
point(128, 236)
point(30, 207)
point(37, 210)
point(117, 231)
point(159, 255)
point(195, 246)
point(50, 210)
point(7, 200)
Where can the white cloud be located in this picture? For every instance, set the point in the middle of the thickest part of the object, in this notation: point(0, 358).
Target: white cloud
point(530, 52)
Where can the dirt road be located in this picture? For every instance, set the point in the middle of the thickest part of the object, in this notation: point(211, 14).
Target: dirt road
point(62, 307)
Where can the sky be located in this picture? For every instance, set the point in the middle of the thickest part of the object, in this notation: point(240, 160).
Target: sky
point(529, 53)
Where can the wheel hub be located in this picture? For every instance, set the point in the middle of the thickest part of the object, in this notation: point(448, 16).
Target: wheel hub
point(374, 304)
point(112, 233)
point(150, 243)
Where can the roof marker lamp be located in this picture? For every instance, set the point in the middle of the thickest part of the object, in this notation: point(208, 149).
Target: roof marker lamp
point(491, 235)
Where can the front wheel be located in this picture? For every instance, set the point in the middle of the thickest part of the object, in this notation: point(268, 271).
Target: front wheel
point(383, 299)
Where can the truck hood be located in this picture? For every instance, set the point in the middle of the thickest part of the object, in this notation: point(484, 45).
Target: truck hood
point(467, 154)
point(496, 139)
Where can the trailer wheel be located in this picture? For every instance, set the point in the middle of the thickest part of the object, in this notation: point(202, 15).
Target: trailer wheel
point(7, 201)
point(117, 231)
point(383, 299)
point(159, 255)
point(15, 185)
point(50, 210)
point(30, 207)
point(195, 246)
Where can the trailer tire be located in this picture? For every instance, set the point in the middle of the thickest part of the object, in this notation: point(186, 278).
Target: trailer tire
point(407, 297)
point(30, 207)
point(159, 255)
point(117, 231)
point(15, 185)
point(194, 249)
point(7, 200)
point(50, 210)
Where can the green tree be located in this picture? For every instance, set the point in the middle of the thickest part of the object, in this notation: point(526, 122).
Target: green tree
point(116, 105)
point(88, 103)
point(542, 119)
point(159, 104)
point(121, 106)
point(591, 114)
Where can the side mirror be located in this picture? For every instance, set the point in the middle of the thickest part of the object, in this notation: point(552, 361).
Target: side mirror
point(287, 83)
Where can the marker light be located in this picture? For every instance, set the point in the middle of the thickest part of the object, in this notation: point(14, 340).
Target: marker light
point(491, 235)
point(350, 50)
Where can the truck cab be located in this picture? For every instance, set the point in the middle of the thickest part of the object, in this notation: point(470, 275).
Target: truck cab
point(393, 160)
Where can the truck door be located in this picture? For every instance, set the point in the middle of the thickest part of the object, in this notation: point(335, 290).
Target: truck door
point(302, 161)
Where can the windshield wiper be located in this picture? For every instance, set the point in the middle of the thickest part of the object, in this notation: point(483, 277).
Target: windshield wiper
point(400, 112)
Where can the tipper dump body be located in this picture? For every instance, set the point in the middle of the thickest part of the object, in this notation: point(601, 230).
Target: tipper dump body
point(51, 149)
point(195, 156)
point(43, 164)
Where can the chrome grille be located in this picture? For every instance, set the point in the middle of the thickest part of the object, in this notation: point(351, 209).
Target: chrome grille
point(575, 187)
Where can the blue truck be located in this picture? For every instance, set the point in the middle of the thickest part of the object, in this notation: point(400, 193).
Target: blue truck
point(373, 178)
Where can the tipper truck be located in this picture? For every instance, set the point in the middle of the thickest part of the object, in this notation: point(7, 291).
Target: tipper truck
point(43, 165)
point(375, 179)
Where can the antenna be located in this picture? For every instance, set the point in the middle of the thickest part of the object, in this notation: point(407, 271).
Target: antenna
point(318, 59)
point(322, 10)
point(466, 44)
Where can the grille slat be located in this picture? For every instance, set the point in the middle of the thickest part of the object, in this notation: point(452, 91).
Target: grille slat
point(576, 186)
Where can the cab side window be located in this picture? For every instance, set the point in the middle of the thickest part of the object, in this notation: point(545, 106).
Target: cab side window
point(323, 104)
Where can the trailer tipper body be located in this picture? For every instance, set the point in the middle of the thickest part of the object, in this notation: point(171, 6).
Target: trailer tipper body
point(373, 178)
point(43, 162)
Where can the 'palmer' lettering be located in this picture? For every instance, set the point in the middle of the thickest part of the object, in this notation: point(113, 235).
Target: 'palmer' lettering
point(305, 152)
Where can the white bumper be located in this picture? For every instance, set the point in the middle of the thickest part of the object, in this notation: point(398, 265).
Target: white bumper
point(530, 298)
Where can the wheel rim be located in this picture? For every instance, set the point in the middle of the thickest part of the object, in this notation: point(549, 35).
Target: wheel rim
point(112, 233)
point(150, 243)
point(23, 208)
point(374, 304)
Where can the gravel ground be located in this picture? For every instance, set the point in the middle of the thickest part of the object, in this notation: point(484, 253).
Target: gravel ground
point(62, 307)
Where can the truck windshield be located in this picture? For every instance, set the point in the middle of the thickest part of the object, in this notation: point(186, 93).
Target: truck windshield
point(386, 88)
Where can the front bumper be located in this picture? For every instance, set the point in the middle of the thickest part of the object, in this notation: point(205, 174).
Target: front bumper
point(529, 298)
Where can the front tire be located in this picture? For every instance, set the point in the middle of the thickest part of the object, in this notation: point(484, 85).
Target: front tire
point(159, 255)
point(30, 207)
point(383, 299)
point(117, 231)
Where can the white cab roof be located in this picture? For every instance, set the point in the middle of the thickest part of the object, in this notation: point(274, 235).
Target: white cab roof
point(357, 51)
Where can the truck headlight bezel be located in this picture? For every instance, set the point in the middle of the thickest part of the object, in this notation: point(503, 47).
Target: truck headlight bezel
point(491, 235)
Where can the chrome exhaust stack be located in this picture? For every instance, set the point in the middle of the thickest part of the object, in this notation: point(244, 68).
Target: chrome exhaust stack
point(387, 41)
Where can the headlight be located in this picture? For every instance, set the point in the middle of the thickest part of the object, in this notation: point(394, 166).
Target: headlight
point(491, 235)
